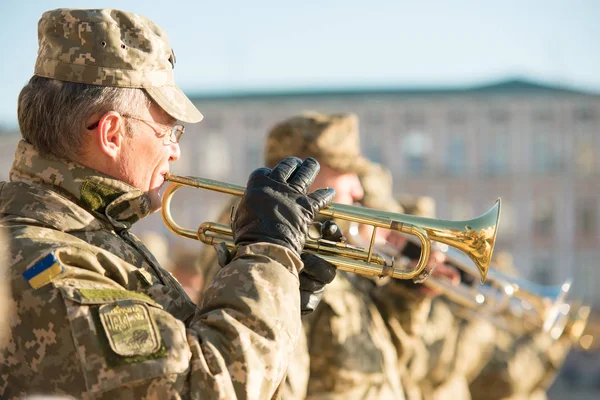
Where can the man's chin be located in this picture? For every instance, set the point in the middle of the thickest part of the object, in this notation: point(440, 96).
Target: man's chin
point(155, 201)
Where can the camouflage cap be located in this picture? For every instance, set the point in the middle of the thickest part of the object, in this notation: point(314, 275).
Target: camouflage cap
point(111, 48)
point(377, 185)
point(422, 206)
point(332, 139)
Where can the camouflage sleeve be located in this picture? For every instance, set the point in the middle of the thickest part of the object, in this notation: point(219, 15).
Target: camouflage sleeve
point(249, 324)
point(85, 335)
point(351, 351)
point(296, 379)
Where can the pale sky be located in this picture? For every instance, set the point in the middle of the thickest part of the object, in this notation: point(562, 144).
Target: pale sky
point(267, 44)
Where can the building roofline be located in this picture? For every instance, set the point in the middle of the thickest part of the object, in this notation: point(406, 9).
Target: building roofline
point(504, 87)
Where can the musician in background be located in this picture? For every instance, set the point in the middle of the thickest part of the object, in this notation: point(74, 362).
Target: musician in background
point(520, 366)
point(422, 324)
point(453, 354)
point(352, 351)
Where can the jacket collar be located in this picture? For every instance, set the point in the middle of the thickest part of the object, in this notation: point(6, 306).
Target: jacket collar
point(106, 198)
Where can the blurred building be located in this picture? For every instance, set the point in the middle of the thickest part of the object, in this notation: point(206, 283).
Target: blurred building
point(536, 146)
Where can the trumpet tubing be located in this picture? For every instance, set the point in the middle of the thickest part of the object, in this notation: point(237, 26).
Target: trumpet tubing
point(475, 237)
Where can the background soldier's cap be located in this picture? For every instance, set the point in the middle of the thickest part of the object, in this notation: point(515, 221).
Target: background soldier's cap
point(332, 139)
point(109, 47)
point(377, 185)
point(422, 206)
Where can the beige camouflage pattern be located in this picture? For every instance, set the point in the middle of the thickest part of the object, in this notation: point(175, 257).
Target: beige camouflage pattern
point(352, 355)
point(110, 47)
point(405, 313)
point(350, 350)
point(237, 346)
point(521, 367)
point(333, 139)
point(296, 381)
point(5, 297)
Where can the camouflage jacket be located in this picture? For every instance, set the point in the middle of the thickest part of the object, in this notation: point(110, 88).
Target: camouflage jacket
point(521, 367)
point(96, 317)
point(351, 351)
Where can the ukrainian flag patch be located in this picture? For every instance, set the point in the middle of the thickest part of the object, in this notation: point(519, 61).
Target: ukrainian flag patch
point(43, 271)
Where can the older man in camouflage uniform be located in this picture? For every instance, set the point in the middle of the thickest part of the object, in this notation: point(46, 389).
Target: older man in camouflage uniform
point(96, 315)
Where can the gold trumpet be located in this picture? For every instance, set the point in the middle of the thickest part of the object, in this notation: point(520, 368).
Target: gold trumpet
point(475, 237)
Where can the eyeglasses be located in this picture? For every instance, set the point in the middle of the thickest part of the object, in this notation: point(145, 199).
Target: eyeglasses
point(175, 132)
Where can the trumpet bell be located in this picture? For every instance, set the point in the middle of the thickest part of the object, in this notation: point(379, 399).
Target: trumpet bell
point(475, 238)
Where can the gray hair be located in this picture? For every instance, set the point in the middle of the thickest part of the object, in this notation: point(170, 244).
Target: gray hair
point(53, 114)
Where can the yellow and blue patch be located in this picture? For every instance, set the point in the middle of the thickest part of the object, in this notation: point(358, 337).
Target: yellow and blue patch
point(43, 271)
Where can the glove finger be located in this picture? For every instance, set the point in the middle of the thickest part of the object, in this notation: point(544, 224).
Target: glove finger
point(260, 172)
point(317, 268)
point(309, 284)
point(285, 169)
point(321, 198)
point(305, 175)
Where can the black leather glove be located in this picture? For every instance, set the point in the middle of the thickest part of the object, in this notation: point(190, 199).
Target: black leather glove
point(316, 274)
point(275, 207)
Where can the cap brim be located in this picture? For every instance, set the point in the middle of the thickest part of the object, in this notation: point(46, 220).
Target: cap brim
point(175, 103)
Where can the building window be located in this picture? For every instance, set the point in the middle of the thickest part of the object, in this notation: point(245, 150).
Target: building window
point(499, 116)
point(497, 153)
point(543, 218)
point(586, 277)
point(456, 155)
point(543, 270)
point(585, 114)
point(584, 154)
point(546, 159)
point(416, 148)
point(543, 116)
point(586, 217)
point(215, 158)
point(457, 117)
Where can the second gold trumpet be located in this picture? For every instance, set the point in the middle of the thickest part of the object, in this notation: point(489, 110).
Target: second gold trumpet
point(474, 237)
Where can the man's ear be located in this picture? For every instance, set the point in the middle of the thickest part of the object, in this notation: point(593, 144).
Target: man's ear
point(110, 133)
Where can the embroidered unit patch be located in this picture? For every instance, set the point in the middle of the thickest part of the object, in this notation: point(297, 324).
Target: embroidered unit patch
point(130, 329)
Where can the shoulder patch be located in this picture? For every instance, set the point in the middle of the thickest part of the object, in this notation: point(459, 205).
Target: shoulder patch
point(129, 328)
point(43, 271)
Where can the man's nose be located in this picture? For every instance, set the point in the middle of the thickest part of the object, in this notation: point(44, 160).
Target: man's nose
point(357, 191)
point(175, 152)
